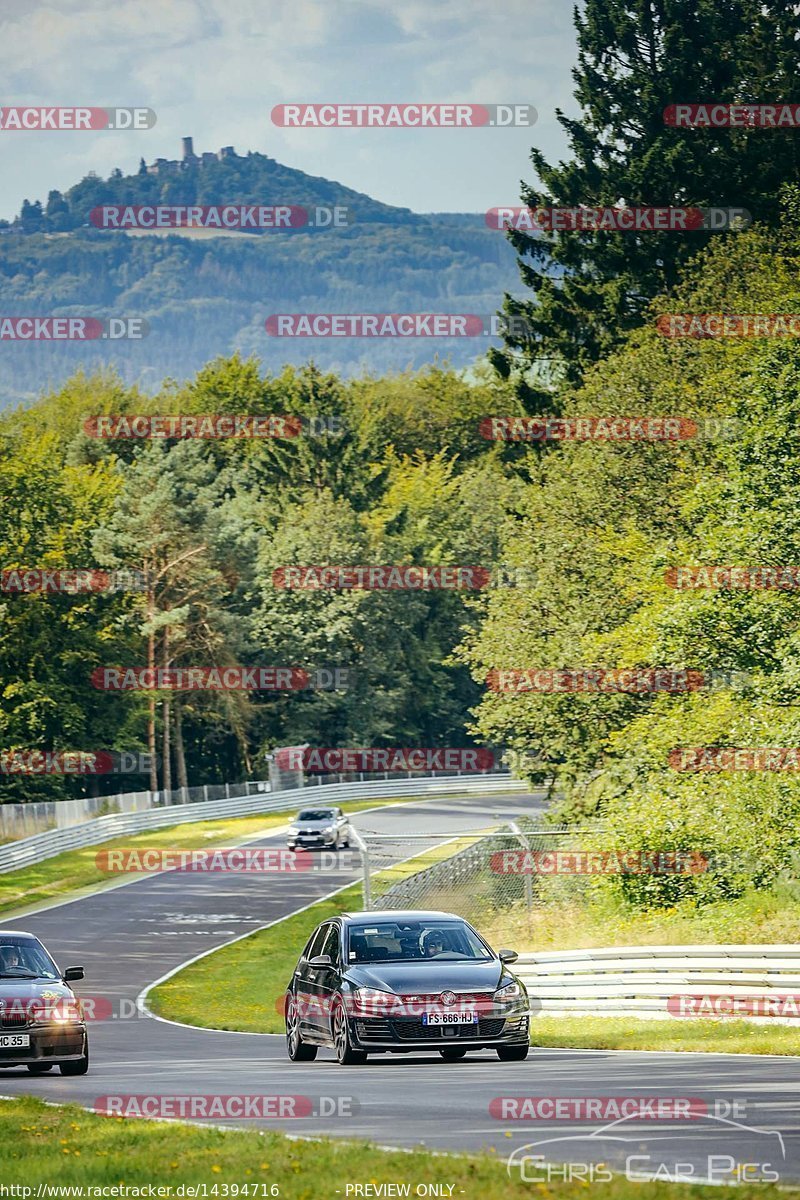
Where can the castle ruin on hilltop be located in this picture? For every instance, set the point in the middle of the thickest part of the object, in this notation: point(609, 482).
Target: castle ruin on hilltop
point(169, 166)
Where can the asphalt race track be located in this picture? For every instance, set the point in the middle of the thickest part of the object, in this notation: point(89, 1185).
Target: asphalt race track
point(129, 936)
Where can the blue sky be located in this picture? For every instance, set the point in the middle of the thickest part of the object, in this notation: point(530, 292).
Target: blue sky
point(215, 68)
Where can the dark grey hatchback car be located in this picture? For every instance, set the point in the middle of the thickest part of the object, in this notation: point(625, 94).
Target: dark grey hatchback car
point(41, 1020)
point(404, 981)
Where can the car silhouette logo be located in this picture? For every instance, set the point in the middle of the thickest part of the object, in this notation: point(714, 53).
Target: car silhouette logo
point(448, 998)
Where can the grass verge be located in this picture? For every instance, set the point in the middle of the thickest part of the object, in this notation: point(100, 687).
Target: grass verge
point(66, 1146)
point(695, 1033)
point(77, 869)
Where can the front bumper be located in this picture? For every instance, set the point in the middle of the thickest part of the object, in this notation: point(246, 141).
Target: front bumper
point(48, 1043)
point(307, 841)
point(409, 1033)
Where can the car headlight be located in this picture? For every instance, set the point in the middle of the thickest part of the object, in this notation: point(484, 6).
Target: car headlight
point(293, 829)
point(329, 829)
point(59, 1012)
point(373, 1000)
point(512, 991)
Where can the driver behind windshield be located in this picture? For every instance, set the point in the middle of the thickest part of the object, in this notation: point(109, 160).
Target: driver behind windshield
point(431, 943)
point(10, 959)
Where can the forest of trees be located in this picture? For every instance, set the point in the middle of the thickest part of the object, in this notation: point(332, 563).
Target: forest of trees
point(598, 525)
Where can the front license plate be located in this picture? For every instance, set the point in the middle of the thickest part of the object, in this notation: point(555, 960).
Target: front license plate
point(450, 1018)
point(14, 1041)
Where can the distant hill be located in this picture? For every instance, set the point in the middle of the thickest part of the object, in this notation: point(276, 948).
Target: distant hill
point(207, 295)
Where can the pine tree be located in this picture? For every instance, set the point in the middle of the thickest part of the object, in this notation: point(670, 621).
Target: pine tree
point(637, 57)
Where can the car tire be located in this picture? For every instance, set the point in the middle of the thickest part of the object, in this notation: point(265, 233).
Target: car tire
point(296, 1048)
point(512, 1053)
point(453, 1053)
point(78, 1066)
point(345, 1054)
point(39, 1068)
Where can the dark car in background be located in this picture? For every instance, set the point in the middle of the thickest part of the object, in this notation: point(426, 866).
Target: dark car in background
point(41, 1020)
point(396, 982)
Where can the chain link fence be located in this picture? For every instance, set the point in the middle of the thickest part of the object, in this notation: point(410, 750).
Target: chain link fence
point(478, 874)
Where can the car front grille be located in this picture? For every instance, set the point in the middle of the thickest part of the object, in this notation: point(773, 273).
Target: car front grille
point(14, 1020)
point(415, 1031)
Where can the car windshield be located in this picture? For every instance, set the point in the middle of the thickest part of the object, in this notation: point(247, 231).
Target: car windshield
point(25, 958)
point(316, 814)
point(413, 941)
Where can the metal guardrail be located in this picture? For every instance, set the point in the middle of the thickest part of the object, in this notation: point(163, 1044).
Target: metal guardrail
point(638, 981)
point(41, 846)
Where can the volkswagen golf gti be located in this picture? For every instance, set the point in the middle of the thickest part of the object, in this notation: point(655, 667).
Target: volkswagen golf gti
point(399, 982)
point(41, 1021)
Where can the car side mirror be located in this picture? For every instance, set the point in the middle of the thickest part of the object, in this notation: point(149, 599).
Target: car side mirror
point(321, 960)
point(508, 956)
point(73, 973)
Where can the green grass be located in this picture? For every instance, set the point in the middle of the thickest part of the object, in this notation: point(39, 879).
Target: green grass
point(768, 916)
point(77, 869)
point(66, 1146)
point(691, 1033)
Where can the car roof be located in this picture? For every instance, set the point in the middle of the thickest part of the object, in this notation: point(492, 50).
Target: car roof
point(18, 933)
point(398, 914)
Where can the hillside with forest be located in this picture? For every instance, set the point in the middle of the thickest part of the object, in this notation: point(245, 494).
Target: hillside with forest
point(203, 295)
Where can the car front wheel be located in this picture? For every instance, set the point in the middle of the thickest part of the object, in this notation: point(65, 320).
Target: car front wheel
point(345, 1053)
point(512, 1053)
point(78, 1066)
point(296, 1048)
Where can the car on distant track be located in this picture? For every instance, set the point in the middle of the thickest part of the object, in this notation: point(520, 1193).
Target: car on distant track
point(42, 1023)
point(323, 827)
point(404, 981)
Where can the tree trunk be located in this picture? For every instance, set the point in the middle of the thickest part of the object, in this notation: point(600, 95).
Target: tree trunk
point(180, 754)
point(151, 706)
point(166, 770)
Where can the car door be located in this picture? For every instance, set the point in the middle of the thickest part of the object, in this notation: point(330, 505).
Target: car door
point(304, 982)
point(328, 978)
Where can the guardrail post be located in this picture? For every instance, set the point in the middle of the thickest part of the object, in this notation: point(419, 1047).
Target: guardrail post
point(528, 881)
